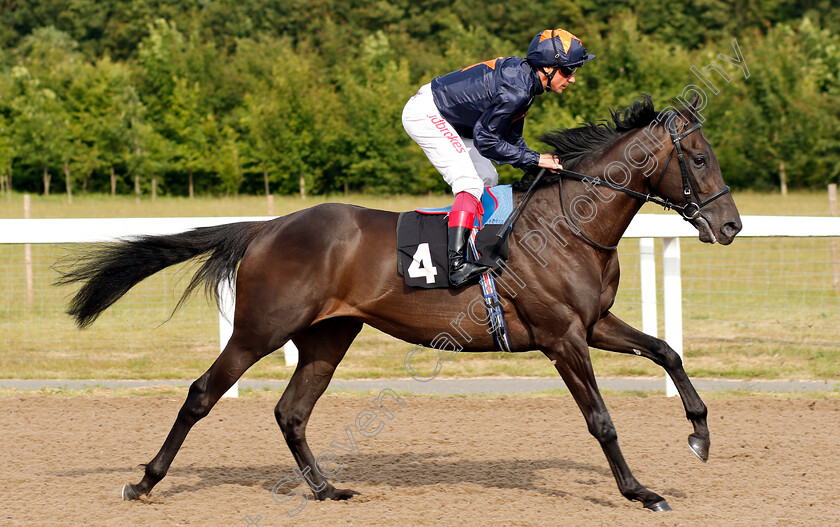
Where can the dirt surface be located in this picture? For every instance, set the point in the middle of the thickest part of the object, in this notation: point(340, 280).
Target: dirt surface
point(439, 461)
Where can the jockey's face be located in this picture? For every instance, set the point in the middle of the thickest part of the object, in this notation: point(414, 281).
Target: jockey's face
point(559, 82)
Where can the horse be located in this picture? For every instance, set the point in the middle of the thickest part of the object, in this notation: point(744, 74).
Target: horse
point(317, 275)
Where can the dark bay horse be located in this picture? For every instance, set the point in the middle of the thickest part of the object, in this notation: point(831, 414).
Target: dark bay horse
point(317, 275)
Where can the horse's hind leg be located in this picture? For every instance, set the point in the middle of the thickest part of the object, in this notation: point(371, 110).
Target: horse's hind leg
point(571, 358)
point(321, 349)
point(612, 334)
point(239, 355)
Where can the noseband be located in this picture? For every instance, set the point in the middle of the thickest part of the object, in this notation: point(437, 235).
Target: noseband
point(689, 210)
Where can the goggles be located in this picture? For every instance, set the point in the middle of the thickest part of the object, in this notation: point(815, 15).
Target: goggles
point(566, 71)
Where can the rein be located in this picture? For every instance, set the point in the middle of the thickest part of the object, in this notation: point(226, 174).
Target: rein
point(690, 210)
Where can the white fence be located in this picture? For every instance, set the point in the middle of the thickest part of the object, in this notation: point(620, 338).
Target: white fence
point(670, 229)
point(646, 227)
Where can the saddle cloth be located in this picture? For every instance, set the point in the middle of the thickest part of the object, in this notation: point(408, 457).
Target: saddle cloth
point(422, 245)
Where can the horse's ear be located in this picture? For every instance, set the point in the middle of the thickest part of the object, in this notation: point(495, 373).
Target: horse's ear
point(693, 102)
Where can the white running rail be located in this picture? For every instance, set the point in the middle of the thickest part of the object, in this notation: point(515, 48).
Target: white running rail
point(646, 227)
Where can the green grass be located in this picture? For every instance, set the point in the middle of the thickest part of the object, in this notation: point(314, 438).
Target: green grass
point(106, 206)
point(99, 391)
point(760, 308)
point(801, 203)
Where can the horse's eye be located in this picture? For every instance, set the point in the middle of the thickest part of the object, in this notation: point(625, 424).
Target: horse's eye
point(699, 161)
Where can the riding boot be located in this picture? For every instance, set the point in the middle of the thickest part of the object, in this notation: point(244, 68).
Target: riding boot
point(461, 270)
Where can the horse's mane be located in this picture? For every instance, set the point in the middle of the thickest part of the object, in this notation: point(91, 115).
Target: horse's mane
point(573, 145)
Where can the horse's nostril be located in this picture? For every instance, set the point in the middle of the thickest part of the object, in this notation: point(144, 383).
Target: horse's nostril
point(731, 228)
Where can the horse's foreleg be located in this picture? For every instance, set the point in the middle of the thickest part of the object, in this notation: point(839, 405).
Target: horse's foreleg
point(612, 334)
point(571, 358)
point(321, 348)
point(202, 396)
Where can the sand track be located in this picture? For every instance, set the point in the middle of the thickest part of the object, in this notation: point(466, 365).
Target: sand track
point(439, 461)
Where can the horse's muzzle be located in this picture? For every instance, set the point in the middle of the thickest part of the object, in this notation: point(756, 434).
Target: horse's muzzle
point(724, 235)
point(729, 230)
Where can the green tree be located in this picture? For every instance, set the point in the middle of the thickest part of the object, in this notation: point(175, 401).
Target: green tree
point(234, 93)
point(40, 125)
point(97, 99)
point(228, 160)
point(7, 150)
point(6, 155)
point(150, 154)
point(258, 123)
point(380, 157)
point(162, 58)
point(184, 126)
point(291, 121)
point(50, 56)
point(784, 121)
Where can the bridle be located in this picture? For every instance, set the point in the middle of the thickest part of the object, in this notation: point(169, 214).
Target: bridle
point(688, 180)
point(689, 210)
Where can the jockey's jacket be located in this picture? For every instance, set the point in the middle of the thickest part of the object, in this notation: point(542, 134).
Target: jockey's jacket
point(488, 102)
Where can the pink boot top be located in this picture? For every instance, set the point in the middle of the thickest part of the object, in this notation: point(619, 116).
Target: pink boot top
point(463, 210)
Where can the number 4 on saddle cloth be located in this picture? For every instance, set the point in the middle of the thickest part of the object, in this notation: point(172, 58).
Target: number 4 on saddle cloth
point(422, 250)
point(421, 239)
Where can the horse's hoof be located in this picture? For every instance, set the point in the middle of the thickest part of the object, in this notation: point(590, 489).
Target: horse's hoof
point(335, 494)
point(128, 492)
point(343, 494)
point(699, 446)
point(660, 506)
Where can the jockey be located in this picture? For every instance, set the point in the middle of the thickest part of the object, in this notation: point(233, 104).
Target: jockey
point(471, 118)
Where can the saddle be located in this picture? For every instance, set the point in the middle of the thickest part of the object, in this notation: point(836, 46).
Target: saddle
point(495, 206)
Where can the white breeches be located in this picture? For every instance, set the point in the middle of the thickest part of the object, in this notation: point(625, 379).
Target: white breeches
point(455, 157)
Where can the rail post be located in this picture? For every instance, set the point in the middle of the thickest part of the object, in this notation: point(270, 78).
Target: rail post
point(647, 268)
point(27, 256)
point(290, 351)
point(227, 303)
point(835, 260)
point(672, 305)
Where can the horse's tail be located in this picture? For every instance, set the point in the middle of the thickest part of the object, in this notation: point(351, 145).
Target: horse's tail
point(110, 270)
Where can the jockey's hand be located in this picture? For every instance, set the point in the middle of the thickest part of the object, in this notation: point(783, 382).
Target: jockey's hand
point(549, 161)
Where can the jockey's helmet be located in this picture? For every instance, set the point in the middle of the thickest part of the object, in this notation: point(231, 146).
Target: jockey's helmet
point(557, 47)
